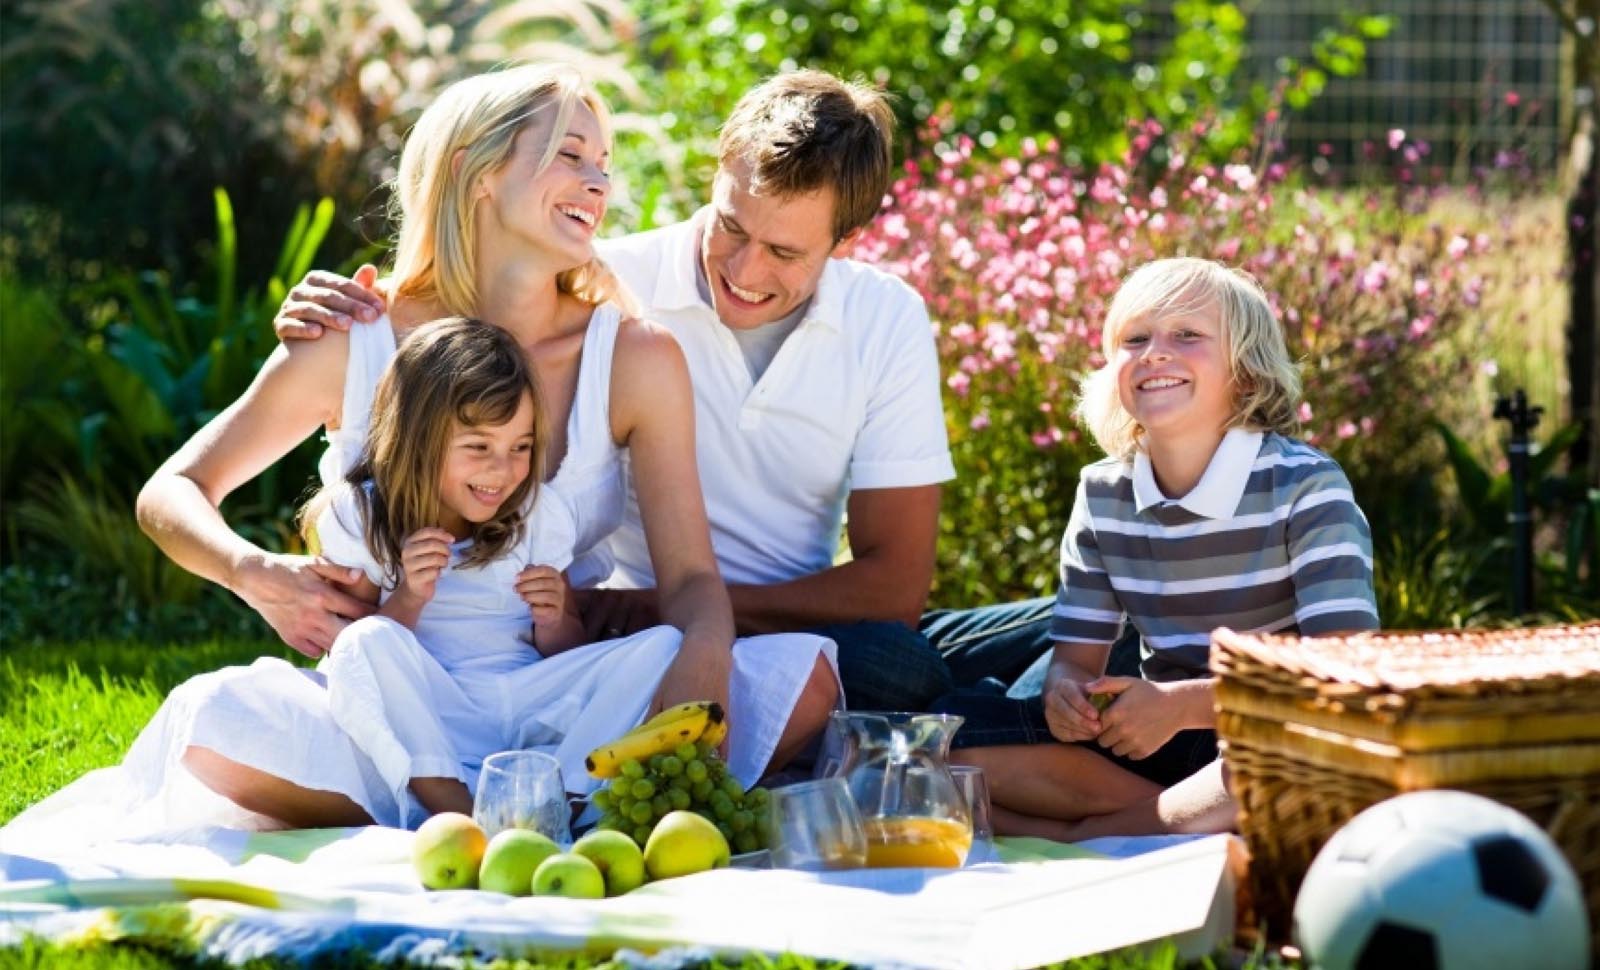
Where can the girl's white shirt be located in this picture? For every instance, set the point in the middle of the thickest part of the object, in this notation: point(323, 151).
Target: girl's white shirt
point(475, 620)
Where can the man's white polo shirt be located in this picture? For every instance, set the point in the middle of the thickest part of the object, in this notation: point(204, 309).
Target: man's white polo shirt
point(851, 401)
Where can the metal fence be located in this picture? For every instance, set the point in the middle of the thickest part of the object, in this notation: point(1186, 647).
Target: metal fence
point(1480, 81)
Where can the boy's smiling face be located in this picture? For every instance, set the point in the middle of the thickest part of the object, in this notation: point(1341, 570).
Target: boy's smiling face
point(1173, 373)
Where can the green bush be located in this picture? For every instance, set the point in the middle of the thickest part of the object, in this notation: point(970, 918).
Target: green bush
point(997, 73)
point(117, 115)
point(93, 400)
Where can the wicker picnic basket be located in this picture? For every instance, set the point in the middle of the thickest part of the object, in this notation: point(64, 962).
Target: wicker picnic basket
point(1314, 730)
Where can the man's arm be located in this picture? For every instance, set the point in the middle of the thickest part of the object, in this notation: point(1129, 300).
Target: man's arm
point(892, 538)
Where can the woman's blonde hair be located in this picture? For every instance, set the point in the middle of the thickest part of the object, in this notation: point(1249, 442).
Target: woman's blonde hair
point(433, 198)
point(453, 370)
point(1266, 382)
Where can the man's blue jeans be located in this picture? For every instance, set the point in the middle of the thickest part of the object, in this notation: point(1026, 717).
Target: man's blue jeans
point(1000, 649)
point(886, 666)
point(994, 646)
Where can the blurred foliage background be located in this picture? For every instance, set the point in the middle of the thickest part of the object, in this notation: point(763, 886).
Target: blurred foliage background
point(170, 167)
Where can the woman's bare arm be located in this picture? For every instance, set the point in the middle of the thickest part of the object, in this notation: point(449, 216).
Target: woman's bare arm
point(652, 412)
point(299, 389)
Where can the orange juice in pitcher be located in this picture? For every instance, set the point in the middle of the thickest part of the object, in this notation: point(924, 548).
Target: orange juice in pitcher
point(896, 766)
point(917, 842)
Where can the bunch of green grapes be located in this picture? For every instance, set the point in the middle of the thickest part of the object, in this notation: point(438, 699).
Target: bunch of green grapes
point(690, 778)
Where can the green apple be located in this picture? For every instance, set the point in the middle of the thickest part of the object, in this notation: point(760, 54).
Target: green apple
point(684, 843)
point(568, 874)
point(617, 857)
point(511, 858)
point(446, 851)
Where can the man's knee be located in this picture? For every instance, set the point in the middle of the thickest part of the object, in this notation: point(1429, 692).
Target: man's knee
point(888, 666)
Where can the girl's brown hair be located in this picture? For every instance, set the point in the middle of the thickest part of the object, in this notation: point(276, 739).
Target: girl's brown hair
point(453, 370)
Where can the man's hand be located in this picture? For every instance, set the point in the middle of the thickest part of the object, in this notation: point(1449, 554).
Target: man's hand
point(544, 589)
point(611, 613)
point(328, 300)
point(305, 599)
point(1142, 717)
point(1070, 714)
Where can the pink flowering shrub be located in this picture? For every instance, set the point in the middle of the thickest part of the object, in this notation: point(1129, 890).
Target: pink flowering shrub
point(1019, 257)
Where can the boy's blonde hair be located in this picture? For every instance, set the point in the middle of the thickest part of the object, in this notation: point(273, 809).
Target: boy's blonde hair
point(433, 197)
point(1266, 382)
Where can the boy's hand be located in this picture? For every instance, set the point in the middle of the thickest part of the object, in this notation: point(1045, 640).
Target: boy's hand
point(544, 589)
point(1142, 717)
point(324, 300)
point(1069, 712)
point(422, 560)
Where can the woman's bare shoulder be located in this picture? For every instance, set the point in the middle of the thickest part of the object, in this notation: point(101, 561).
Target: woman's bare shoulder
point(310, 373)
point(641, 337)
point(649, 376)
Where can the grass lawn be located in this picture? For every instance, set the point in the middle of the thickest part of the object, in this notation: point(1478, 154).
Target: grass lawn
point(68, 708)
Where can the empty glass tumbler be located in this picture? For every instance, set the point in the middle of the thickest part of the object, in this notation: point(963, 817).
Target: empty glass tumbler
point(522, 790)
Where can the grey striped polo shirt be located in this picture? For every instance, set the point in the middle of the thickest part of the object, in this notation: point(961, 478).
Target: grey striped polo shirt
point(1270, 540)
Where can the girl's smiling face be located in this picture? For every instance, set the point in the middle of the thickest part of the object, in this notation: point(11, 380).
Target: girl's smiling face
point(483, 465)
point(1173, 373)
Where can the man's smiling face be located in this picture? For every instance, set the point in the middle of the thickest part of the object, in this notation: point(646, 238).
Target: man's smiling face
point(763, 255)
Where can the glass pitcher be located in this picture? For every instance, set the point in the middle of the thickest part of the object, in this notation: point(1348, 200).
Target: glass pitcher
point(898, 772)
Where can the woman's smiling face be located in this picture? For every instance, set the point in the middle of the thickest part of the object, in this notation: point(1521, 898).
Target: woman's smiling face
point(1173, 372)
point(559, 207)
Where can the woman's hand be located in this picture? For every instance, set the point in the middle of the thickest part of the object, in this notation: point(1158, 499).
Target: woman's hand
point(544, 589)
point(305, 600)
point(1142, 717)
point(700, 672)
point(1069, 713)
point(325, 299)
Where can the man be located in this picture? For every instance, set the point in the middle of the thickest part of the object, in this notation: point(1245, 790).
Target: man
point(816, 381)
point(816, 388)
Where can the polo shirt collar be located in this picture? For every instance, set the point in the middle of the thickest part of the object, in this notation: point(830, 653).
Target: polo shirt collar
point(677, 288)
point(1217, 494)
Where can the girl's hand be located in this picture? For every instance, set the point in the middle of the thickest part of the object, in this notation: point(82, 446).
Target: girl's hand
point(1142, 717)
point(324, 300)
point(544, 589)
point(1069, 713)
point(422, 560)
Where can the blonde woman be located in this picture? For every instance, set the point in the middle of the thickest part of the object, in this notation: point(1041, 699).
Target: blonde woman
point(501, 186)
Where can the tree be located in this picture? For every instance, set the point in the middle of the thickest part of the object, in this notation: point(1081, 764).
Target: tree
point(1581, 21)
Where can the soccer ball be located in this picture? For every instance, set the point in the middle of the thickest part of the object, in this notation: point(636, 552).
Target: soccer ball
point(1441, 879)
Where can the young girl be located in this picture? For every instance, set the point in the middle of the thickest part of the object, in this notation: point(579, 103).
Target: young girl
point(461, 549)
point(1205, 513)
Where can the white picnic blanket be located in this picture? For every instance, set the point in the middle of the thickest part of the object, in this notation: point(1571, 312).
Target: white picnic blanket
point(237, 895)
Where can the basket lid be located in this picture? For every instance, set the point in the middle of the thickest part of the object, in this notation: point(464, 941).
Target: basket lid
point(1462, 662)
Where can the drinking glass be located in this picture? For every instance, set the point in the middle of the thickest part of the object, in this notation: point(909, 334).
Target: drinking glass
point(522, 790)
point(814, 825)
point(970, 781)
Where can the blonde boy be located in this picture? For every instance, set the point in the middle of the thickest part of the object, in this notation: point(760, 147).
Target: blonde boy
point(1205, 513)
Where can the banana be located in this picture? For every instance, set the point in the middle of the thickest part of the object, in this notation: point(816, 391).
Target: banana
point(714, 733)
point(656, 736)
point(677, 711)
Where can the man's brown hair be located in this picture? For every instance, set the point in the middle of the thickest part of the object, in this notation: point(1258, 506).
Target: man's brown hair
point(803, 131)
